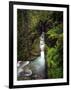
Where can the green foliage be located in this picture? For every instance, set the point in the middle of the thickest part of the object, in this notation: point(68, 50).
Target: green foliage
point(54, 54)
point(28, 38)
point(55, 31)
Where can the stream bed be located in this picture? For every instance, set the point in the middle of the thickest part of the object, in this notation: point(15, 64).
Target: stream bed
point(34, 70)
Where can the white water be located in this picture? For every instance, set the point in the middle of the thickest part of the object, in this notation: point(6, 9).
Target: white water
point(38, 65)
point(42, 45)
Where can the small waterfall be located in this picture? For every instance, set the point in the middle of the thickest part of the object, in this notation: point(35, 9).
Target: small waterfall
point(42, 45)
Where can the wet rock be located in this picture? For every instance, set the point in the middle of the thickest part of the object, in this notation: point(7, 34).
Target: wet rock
point(26, 73)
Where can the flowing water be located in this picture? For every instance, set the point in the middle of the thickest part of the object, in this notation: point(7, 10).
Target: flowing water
point(34, 69)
